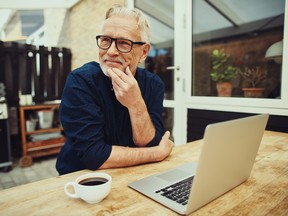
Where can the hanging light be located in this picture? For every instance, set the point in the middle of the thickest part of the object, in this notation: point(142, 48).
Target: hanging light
point(275, 51)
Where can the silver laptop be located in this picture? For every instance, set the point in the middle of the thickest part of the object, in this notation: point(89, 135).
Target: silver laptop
point(228, 153)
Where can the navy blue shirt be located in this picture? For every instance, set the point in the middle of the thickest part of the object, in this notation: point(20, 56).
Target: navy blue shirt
point(94, 120)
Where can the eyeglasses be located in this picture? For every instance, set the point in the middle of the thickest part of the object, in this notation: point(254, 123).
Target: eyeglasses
point(122, 45)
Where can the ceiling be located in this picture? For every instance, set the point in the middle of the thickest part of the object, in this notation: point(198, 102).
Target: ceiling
point(233, 13)
point(31, 11)
point(36, 4)
point(210, 18)
point(217, 18)
point(160, 14)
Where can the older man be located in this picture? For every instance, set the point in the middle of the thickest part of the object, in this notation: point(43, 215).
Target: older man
point(112, 112)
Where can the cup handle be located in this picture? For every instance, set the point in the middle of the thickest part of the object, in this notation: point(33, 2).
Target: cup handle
point(73, 195)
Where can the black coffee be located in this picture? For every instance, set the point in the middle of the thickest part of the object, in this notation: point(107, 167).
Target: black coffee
point(93, 181)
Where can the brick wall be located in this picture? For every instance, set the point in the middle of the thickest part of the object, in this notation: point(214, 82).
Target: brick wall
point(80, 26)
point(54, 20)
point(241, 50)
point(13, 29)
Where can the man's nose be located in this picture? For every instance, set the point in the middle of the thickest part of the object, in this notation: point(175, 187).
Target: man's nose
point(113, 49)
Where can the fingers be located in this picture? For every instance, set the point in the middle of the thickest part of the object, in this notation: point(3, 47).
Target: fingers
point(125, 76)
point(166, 135)
point(117, 77)
point(121, 76)
point(128, 72)
point(111, 73)
point(165, 146)
point(122, 79)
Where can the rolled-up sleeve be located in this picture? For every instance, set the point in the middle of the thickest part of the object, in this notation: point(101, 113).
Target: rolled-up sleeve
point(83, 122)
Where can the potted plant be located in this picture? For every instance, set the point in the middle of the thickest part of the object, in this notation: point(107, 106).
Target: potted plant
point(222, 72)
point(252, 79)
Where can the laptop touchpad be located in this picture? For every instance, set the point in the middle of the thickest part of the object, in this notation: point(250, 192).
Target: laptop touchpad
point(174, 175)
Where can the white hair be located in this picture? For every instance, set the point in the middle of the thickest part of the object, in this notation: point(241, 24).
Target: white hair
point(142, 22)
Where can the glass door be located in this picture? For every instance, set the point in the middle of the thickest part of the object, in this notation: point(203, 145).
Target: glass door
point(249, 39)
point(165, 60)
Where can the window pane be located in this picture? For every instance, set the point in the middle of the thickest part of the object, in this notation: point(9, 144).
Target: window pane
point(239, 34)
point(161, 18)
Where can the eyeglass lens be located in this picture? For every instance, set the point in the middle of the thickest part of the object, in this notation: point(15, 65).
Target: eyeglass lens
point(123, 45)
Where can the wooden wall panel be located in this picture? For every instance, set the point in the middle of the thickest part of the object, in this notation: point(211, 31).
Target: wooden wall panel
point(199, 119)
point(38, 71)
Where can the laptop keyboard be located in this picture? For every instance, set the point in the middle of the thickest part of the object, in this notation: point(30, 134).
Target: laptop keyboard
point(178, 192)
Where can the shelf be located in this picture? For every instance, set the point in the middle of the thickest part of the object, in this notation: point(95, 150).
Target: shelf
point(42, 147)
point(44, 143)
point(39, 106)
point(40, 131)
point(45, 147)
point(45, 152)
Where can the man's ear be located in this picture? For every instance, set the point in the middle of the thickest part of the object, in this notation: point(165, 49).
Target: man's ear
point(145, 51)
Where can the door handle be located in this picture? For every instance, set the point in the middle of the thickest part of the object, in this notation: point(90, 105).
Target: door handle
point(173, 68)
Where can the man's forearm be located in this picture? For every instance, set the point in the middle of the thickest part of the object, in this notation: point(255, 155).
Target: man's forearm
point(126, 156)
point(142, 127)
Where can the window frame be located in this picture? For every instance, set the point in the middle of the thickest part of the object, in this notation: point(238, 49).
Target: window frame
point(237, 104)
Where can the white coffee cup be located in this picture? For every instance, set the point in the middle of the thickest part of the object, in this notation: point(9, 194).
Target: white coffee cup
point(91, 187)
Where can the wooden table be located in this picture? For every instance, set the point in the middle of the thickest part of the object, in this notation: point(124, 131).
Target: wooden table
point(265, 192)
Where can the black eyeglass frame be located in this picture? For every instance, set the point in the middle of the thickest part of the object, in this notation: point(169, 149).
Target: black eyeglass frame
point(115, 39)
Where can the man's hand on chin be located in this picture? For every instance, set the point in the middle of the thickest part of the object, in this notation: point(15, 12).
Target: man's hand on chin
point(125, 87)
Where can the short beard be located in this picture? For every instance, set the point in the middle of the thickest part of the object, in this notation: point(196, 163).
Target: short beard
point(104, 70)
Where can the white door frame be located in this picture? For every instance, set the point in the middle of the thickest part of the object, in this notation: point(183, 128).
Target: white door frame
point(182, 61)
point(181, 48)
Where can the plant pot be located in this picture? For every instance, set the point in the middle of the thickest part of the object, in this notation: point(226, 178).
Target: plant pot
point(224, 89)
point(253, 92)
